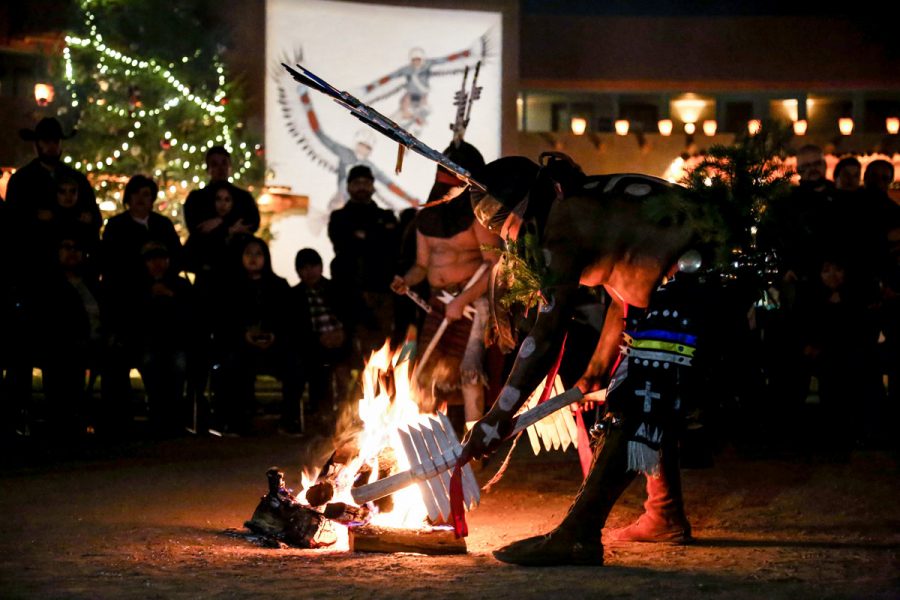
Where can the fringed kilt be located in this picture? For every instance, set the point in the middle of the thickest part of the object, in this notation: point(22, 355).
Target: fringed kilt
point(439, 380)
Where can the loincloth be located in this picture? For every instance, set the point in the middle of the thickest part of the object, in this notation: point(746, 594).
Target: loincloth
point(457, 358)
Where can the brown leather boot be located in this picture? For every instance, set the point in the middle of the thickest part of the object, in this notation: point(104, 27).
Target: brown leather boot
point(576, 541)
point(663, 520)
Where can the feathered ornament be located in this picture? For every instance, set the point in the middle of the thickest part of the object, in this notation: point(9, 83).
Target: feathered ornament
point(557, 431)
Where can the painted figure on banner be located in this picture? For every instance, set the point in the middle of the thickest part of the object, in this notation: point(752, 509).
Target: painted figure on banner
point(415, 81)
point(336, 156)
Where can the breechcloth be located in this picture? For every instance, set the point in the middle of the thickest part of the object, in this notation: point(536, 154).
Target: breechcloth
point(457, 358)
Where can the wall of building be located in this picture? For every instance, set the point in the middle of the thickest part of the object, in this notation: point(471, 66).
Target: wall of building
point(29, 41)
point(607, 53)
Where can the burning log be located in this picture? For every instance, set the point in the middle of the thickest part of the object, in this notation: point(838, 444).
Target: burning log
point(345, 514)
point(342, 455)
point(433, 541)
point(387, 465)
point(320, 493)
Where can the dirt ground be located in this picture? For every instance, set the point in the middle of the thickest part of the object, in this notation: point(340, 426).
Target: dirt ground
point(151, 520)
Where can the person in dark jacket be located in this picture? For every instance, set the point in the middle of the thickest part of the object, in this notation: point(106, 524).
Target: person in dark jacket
point(366, 244)
point(124, 272)
point(127, 233)
point(64, 316)
point(206, 217)
point(253, 334)
point(162, 337)
point(322, 338)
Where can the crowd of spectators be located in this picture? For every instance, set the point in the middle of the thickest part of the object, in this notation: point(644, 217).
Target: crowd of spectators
point(832, 343)
point(87, 303)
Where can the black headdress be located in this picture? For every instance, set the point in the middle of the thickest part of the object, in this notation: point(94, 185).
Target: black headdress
point(517, 184)
point(446, 219)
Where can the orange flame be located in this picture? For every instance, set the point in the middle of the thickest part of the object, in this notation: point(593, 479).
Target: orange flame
point(388, 404)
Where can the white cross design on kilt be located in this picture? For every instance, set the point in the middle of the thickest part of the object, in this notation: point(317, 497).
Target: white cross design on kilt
point(647, 395)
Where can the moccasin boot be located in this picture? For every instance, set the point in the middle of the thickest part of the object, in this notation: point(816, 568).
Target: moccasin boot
point(559, 547)
point(663, 520)
point(577, 541)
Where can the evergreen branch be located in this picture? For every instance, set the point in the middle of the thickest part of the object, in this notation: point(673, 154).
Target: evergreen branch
point(521, 272)
point(733, 185)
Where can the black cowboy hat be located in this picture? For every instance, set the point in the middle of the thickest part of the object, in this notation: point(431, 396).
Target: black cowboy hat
point(47, 128)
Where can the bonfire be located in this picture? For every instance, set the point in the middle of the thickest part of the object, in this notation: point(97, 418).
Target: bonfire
point(388, 436)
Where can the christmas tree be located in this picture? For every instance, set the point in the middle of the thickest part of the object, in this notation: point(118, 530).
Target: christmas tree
point(150, 95)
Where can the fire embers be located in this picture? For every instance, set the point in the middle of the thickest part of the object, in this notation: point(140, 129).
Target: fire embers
point(282, 519)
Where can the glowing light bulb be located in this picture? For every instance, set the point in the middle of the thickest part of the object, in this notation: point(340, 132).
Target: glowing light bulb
point(892, 124)
point(845, 124)
point(579, 125)
point(665, 126)
point(43, 94)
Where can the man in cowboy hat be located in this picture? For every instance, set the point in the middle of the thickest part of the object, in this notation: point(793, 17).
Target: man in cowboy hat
point(32, 188)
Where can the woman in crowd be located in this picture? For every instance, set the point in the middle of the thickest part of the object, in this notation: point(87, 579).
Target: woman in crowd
point(252, 335)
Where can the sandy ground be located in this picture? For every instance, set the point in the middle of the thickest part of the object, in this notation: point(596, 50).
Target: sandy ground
point(150, 520)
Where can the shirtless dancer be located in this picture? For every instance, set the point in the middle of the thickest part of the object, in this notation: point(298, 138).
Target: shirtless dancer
point(448, 253)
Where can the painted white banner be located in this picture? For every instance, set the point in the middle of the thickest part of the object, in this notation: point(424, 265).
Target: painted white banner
point(407, 63)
